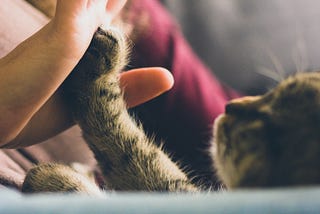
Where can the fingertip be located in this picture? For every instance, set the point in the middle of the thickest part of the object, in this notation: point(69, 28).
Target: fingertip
point(156, 78)
point(165, 78)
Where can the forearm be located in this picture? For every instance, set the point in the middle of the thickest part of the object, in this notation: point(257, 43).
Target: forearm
point(29, 75)
point(51, 119)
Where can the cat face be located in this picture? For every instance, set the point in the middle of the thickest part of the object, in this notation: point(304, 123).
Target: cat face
point(271, 140)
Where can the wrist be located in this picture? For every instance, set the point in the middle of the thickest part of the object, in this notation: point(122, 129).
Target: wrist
point(35, 69)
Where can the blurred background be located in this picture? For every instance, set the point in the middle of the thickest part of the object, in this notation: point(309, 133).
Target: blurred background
point(252, 44)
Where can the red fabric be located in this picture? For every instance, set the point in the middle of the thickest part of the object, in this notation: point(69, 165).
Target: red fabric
point(184, 116)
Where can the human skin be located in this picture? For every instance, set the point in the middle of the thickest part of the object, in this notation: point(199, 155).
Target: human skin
point(30, 103)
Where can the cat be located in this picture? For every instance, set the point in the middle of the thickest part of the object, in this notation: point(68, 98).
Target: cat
point(271, 140)
point(262, 141)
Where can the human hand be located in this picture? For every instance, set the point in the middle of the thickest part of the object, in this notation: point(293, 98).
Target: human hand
point(48, 57)
point(76, 21)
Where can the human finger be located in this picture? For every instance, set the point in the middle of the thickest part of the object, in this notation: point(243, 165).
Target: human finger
point(144, 84)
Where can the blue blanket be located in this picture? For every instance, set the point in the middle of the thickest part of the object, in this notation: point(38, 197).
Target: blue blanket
point(297, 200)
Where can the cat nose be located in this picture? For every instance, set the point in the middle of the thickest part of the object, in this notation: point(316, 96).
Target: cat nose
point(239, 104)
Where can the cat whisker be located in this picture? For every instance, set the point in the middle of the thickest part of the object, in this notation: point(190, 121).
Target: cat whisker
point(270, 74)
point(300, 55)
point(276, 72)
point(277, 65)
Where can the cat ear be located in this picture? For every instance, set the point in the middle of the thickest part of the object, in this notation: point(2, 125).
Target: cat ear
point(245, 100)
point(241, 104)
point(245, 104)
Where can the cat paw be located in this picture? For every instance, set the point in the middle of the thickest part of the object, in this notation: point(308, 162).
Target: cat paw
point(53, 177)
point(109, 50)
point(107, 54)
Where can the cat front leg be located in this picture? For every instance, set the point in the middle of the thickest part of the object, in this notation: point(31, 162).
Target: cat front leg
point(128, 158)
